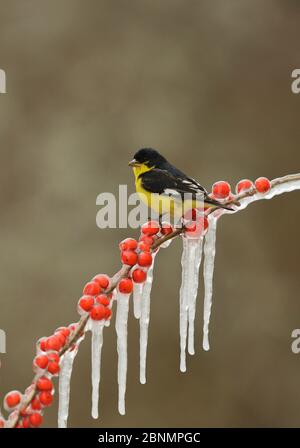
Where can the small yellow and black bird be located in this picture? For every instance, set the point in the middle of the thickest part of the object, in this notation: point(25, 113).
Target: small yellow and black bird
point(165, 189)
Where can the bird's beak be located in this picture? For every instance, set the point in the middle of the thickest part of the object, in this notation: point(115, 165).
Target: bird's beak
point(133, 162)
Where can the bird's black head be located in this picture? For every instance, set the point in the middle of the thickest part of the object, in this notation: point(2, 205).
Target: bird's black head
point(148, 156)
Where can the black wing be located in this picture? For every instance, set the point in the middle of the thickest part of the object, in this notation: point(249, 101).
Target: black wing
point(163, 182)
point(180, 175)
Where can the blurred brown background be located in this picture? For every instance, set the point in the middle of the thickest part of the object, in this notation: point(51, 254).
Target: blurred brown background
point(207, 83)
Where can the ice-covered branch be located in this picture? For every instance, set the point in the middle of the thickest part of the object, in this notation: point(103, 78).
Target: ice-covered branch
point(246, 193)
point(23, 405)
point(277, 186)
point(55, 354)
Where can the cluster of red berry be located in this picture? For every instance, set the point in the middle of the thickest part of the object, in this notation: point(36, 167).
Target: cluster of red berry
point(96, 299)
point(222, 189)
point(96, 303)
point(30, 418)
point(45, 365)
point(55, 342)
point(137, 254)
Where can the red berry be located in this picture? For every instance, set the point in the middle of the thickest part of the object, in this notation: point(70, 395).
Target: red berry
point(42, 344)
point(262, 185)
point(139, 276)
point(35, 404)
point(145, 259)
point(147, 239)
point(46, 398)
point(221, 189)
point(41, 361)
point(86, 303)
point(128, 244)
point(2, 423)
point(197, 228)
point(166, 228)
point(103, 280)
point(92, 289)
point(129, 257)
point(244, 185)
point(190, 227)
point(53, 368)
point(102, 299)
point(44, 383)
point(12, 399)
point(25, 422)
point(53, 343)
point(150, 228)
point(63, 330)
point(35, 419)
point(108, 313)
point(53, 357)
point(125, 285)
point(98, 312)
point(144, 247)
point(61, 338)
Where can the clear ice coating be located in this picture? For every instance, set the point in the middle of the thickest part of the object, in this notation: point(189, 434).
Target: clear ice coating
point(284, 185)
point(144, 320)
point(121, 329)
point(208, 272)
point(66, 366)
point(137, 299)
point(96, 328)
point(193, 296)
point(278, 186)
point(190, 262)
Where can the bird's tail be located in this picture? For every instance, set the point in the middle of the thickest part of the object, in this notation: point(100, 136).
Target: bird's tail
point(213, 203)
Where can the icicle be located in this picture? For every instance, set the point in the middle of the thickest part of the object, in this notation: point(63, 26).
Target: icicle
point(193, 295)
point(144, 320)
point(209, 258)
point(137, 299)
point(190, 262)
point(64, 387)
point(183, 304)
point(121, 329)
point(65, 373)
point(97, 342)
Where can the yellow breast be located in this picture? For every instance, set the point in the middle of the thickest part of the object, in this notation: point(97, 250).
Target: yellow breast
point(159, 204)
